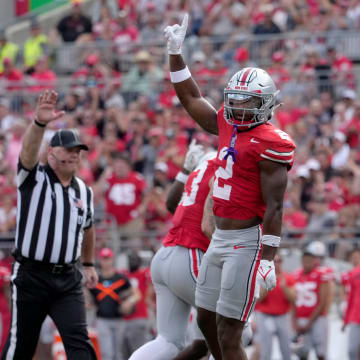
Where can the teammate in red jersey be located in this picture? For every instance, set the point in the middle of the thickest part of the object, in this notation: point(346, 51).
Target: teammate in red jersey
point(318, 249)
point(344, 280)
point(175, 266)
point(309, 316)
point(249, 188)
point(352, 314)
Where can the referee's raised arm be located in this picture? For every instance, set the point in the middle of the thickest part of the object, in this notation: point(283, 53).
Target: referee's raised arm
point(45, 112)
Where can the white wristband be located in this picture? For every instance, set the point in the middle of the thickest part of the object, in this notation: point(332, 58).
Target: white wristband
point(181, 75)
point(181, 177)
point(271, 240)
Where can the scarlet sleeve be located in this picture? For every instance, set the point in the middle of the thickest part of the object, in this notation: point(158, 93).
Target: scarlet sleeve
point(281, 151)
point(326, 276)
point(350, 300)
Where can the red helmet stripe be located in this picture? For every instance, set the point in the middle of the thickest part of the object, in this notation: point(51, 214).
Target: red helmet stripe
point(244, 77)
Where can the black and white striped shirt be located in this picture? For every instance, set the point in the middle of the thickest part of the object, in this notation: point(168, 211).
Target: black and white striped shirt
point(51, 218)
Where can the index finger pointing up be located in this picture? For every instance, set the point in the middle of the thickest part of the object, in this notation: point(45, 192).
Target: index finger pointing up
point(185, 21)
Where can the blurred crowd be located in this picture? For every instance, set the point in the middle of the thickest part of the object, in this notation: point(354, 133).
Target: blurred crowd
point(121, 100)
point(109, 66)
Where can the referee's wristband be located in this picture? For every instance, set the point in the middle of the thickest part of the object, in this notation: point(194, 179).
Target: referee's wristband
point(271, 240)
point(88, 264)
point(39, 124)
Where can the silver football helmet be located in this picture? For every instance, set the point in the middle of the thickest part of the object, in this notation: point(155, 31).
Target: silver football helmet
point(254, 88)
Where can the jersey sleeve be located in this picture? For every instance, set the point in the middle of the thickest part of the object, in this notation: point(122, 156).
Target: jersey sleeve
point(276, 146)
point(90, 209)
point(326, 275)
point(25, 177)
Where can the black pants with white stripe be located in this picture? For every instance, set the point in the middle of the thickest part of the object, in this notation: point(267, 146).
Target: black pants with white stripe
point(37, 293)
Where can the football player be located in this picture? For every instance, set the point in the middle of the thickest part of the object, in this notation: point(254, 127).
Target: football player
point(250, 182)
point(175, 266)
point(309, 316)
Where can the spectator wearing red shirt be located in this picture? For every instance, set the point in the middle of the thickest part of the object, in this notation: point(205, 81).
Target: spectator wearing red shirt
point(352, 128)
point(126, 33)
point(11, 76)
point(92, 74)
point(137, 327)
point(277, 70)
point(174, 153)
point(124, 191)
point(294, 219)
point(199, 69)
point(241, 59)
point(167, 95)
point(7, 210)
point(273, 313)
point(42, 77)
point(342, 68)
point(218, 70)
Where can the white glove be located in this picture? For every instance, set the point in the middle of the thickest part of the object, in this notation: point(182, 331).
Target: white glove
point(175, 36)
point(266, 276)
point(193, 156)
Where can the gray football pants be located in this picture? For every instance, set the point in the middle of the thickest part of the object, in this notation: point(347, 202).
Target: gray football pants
point(173, 272)
point(268, 326)
point(354, 342)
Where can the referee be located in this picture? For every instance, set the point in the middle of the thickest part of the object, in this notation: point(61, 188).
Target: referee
point(54, 229)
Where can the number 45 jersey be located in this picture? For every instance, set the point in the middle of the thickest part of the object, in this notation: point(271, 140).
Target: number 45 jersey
point(237, 191)
point(307, 287)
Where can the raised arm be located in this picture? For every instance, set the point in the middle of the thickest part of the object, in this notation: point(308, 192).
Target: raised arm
point(44, 113)
point(185, 86)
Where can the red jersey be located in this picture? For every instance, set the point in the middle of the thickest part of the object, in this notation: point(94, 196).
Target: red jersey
point(352, 314)
point(186, 229)
point(237, 191)
point(307, 288)
point(345, 281)
point(275, 302)
point(123, 196)
point(139, 279)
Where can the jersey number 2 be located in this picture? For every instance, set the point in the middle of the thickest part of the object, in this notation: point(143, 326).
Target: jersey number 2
point(223, 192)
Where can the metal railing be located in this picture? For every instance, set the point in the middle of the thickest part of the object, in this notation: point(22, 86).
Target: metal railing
point(261, 47)
point(107, 234)
point(303, 88)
